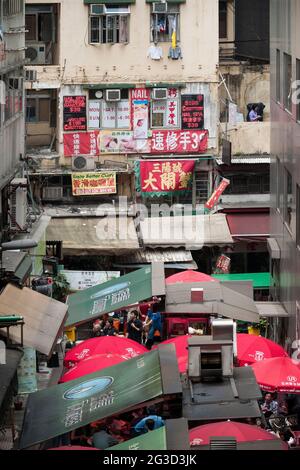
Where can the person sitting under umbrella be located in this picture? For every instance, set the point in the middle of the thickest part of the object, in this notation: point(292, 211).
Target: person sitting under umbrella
point(270, 406)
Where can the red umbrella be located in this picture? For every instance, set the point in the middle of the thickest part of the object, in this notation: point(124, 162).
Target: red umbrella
point(189, 276)
point(251, 348)
point(201, 435)
point(181, 347)
point(103, 345)
point(92, 364)
point(73, 448)
point(279, 374)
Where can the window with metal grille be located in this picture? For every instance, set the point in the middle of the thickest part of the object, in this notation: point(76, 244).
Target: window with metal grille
point(164, 24)
point(111, 27)
point(201, 186)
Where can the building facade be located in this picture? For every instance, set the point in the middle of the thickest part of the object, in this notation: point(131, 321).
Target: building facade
point(285, 167)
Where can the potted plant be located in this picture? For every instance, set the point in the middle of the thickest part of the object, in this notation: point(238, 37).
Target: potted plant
point(258, 329)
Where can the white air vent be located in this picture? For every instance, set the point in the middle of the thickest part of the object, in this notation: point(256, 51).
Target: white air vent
point(52, 193)
point(30, 75)
point(18, 204)
point(82, 163)
point(160, 7)
point(112, 95)
point(160, 93)
point(36, 53)
point(97, 9)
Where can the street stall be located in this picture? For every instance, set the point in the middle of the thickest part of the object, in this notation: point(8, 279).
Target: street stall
point(140, 381)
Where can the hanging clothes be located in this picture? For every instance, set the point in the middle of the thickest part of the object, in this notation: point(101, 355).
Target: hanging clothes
point(155, 52)
point(175, 54)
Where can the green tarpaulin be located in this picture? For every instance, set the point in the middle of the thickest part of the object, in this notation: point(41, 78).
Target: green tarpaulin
point(259, 280)
point(65, 407)
point(110, 296)
point(154, 440)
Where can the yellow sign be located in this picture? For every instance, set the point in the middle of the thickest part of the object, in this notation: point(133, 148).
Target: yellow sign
point(90, 184)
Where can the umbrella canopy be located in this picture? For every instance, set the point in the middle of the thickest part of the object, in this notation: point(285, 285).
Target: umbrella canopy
point(92, 364)
point(73, 448)
point(201, 435)
point(253, 349)
point(189, 276)
point(103, 345)
point(279, 374)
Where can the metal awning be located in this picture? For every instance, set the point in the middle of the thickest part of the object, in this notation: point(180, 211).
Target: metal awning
point(274, 248)
point(259, 280)
point(17, 263)
point(249, 224)
point(271, 309)
point(149, 255)
point(248, 160)
point(218, 300)
point(43, 317)
point(94, 235)
point(190, 231)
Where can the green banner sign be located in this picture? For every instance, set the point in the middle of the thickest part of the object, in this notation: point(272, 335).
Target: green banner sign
point(65, 407)
point(153, 440)
point(110, 296)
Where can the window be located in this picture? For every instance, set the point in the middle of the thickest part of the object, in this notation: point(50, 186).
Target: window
point(164, 24)
point(37, 109)
point(249, 184)
point(165, 113)
point(12, 7)
point(109, 115)
point(277, 183)
point(298, 87)
point(223, 19)
point(13, 96)
point(111, 27)
point(287, 96)
point(278, 75)
point(298, 218)
point(288, 203)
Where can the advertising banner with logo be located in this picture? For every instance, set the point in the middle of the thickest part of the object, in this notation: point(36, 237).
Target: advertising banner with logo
point(179, 141)
point(90, 184)
point(74, 113)
point(80, 280)
point(217, 193)
point(65, 407)
point(161, 177)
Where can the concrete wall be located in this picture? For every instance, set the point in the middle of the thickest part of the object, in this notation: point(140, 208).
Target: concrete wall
point(249, 138)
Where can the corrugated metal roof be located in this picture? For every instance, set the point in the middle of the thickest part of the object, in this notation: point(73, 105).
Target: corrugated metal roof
point(248, 159)
point(166, 256)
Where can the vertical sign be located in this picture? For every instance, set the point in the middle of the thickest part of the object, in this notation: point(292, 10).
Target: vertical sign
point(192, 111)
point(217, 193)
point(74, 113)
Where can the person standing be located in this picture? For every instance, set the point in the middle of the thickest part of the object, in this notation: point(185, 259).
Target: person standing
point(153, 321)
point(135, 327)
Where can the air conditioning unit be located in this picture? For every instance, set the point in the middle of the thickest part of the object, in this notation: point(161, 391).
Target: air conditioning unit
point(18, 204)
point(53, 193)
point(83, 163)
point(160, 7)
point(30, 75)
point(36, 53)
point(160, 93)
point(112, 95)
point(97, 9)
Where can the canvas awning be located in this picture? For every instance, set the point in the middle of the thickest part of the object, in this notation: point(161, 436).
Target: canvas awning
point(94, 235)
point(271, 309)
point(116, 294)
point(65, 407)
point(249, 225)
point(218, 300)
point(259, 280)
point(190, 231)
point(43, 317)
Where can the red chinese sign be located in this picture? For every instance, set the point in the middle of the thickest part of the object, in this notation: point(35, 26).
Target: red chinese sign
point(74, 113)
point(89, 184)
point(217, 193)
point(159, 177)
point(192, 111)
point(223, 263)
point(85, 143)
point(179, 141)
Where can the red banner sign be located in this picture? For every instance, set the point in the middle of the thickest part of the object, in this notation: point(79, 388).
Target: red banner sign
point(217, 193)
point(173, 175)
point(85, 143)
point(223, 263)
point(179, 141)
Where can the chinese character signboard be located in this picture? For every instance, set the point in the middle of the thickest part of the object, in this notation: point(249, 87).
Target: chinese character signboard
point(162, 177)
point(192, 111)
point(90, 184)
point(179, 141)
point(80, 280)
point(216, 194)
point(83, 143)
point(223, 264)
point(74, 113)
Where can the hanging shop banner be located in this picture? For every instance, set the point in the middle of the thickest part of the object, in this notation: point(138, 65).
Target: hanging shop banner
point(27, 378)
point(83, 143)
point(80, 280)
point(192, 111)
point(163, 177)
point(90, 184)
point(74, 113)
point(121, 142)
point(179, 141)
point(172, 113)
point(223, 264)
point(94, 114)
point(140, 119)
point(217, 193)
